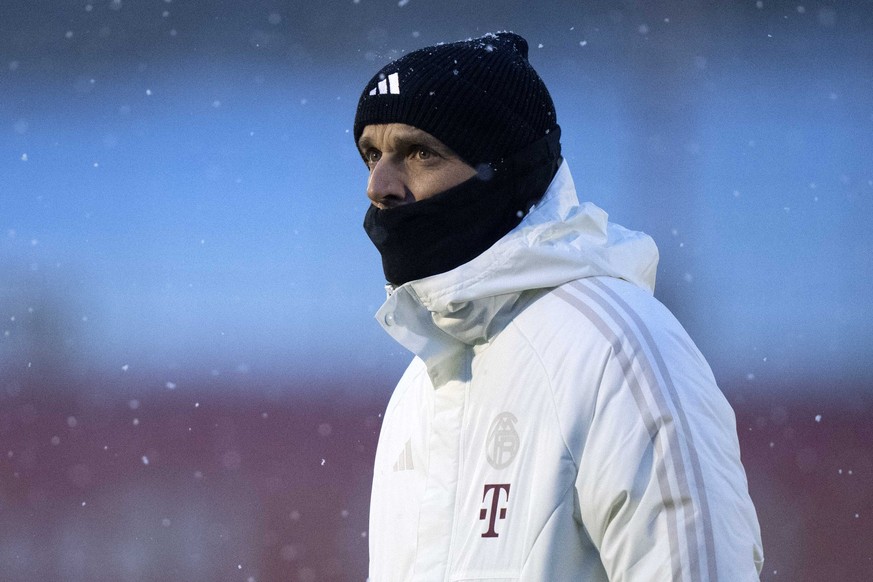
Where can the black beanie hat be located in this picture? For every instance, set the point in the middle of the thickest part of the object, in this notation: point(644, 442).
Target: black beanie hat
point(480, 97)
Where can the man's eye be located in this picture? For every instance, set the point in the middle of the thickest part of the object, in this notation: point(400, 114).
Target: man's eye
point(372, 156)
point(423, 154)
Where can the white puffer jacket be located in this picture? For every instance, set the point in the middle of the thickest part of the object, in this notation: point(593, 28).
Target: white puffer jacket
point(557, 423)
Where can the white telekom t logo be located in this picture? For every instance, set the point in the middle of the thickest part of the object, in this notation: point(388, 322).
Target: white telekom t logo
point(391, 85)
point(495, 502)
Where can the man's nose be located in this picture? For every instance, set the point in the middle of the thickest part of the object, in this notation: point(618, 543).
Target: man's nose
point(386, 186)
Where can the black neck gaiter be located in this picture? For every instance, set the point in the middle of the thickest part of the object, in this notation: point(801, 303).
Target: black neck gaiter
point(448, 229)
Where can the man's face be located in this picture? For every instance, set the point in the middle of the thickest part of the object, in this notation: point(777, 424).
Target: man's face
point(408, 164)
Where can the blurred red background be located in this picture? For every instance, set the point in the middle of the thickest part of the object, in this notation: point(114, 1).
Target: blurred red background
point(230, 481)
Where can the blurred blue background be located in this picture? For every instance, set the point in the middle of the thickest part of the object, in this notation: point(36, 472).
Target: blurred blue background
point(181, 202)
point(180, 188)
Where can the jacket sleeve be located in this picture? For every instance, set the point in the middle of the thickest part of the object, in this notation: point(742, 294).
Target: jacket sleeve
point(661, 489)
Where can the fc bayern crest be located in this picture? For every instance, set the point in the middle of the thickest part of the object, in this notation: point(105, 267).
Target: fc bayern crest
point(503, 441)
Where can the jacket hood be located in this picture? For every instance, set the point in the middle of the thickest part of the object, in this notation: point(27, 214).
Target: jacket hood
point(560, 240)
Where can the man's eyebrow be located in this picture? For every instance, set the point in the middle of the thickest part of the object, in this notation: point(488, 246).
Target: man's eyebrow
point(364, 143)
point(405, 139)
point(422, 138)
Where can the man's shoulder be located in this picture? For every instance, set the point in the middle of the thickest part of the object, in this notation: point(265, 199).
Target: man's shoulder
point(587, 309)
point(589, 321)
point(561, 335)
point(611, 320)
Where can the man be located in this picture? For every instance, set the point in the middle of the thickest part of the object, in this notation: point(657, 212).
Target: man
point(556, 423)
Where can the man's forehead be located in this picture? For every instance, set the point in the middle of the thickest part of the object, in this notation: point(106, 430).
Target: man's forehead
point(398, 133)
